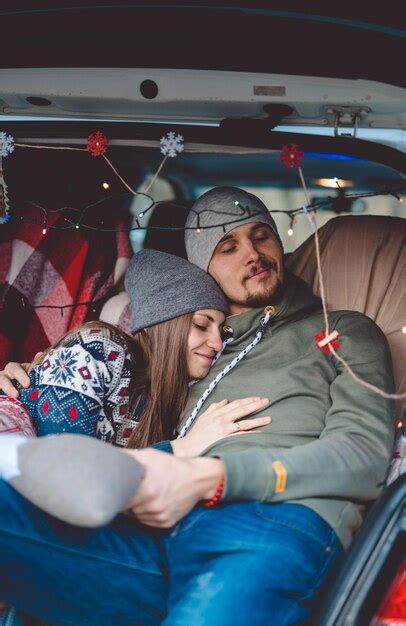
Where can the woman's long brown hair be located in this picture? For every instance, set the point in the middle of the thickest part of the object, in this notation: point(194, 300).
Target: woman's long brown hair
point(163, 380)
point(160, 375)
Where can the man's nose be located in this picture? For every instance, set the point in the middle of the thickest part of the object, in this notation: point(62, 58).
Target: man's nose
point(250, 253)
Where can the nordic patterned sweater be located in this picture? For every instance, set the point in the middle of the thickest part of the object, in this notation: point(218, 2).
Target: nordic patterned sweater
point(83, 387)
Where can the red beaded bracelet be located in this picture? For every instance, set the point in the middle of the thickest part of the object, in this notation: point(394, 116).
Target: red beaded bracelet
point(208, 504)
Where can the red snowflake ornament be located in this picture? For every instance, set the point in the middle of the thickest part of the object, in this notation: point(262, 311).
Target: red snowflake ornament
point(334, 341)
point(291, 156)
point(97, 144)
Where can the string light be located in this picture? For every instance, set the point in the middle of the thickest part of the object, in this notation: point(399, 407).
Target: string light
point(44, 231)
point(106, 186)
point(292, 222)
point(394, 194)
point(61, 308)
point(80, 222)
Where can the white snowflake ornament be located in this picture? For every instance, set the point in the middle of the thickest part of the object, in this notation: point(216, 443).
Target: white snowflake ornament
point(6, 144)
point(171, 144)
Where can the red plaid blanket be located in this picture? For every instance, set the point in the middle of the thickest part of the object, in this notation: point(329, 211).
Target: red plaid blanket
point(15, 418)
point(62, 267)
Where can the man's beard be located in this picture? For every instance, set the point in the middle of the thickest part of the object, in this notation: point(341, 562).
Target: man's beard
point(272, 295)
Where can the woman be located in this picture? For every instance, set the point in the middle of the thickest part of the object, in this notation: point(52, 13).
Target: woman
point(131, 390)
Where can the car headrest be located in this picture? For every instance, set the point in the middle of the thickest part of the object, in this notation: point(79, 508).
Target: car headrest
point(363, 262)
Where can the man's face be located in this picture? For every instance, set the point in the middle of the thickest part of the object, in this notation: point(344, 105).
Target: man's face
point(248, 266)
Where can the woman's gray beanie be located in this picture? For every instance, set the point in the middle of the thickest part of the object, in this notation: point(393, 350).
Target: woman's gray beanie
point(162, 286)
point(228, 207)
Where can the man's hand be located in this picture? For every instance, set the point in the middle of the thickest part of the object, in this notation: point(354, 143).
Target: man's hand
point(14, 371)
point(171, 486)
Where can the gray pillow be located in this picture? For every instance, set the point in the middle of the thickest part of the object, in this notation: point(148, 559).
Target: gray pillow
point(78, 479)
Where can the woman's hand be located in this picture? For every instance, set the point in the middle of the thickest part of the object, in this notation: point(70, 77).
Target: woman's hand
point(222, 419)
point(14, 371)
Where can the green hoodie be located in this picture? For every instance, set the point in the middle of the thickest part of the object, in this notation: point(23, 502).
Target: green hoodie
point(330, 440)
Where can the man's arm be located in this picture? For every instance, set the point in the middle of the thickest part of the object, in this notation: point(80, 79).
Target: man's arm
point(171, 486)
point(351, 457)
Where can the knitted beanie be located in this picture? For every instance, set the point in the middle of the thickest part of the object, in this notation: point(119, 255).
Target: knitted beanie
point(162, 286)
point(227, 207)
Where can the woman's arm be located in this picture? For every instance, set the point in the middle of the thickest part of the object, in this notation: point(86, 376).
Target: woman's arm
point(220, 420)
point(82, 387)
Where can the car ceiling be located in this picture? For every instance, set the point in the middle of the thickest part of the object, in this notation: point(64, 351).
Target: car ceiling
point(306, 38)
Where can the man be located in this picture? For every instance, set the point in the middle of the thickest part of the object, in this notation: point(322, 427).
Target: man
point(286, 500)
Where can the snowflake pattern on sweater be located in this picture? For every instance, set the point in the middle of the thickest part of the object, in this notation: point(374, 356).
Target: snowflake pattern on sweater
point(83, 387)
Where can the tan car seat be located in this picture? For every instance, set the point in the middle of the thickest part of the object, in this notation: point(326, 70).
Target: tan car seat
point(364, 267)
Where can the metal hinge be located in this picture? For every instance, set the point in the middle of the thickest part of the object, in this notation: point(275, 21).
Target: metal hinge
point(347, 116)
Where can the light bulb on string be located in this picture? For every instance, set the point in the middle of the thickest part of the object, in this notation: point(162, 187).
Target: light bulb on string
point(141, 214)
point(198, 229)
point(292, 222)
point(44, 231)
point(106, 186)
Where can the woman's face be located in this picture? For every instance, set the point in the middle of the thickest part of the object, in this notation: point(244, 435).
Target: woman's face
point(204, 341)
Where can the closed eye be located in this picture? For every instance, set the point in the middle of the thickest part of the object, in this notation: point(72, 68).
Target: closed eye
point(261, 237)
point(200, 327)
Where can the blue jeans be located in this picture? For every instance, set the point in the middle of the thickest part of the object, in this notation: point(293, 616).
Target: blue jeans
point(234, 565)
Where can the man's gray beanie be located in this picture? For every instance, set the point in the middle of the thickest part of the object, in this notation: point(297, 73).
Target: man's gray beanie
point(162, 286)
point(219, 206)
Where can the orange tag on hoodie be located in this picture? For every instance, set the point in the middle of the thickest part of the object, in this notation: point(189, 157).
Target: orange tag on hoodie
point(281, 476)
